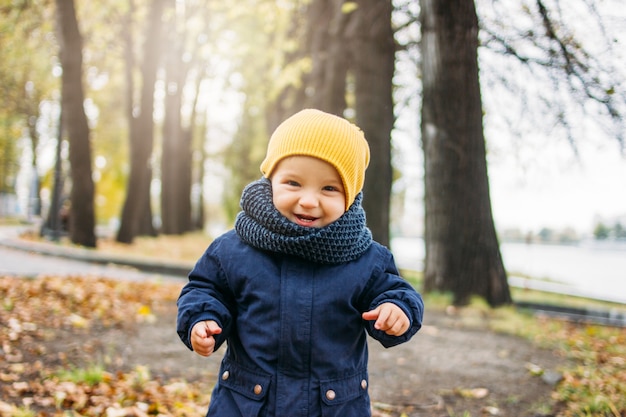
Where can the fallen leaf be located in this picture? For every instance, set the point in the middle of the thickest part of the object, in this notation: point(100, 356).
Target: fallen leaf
point(476, 393)
point(144, 310)
point(493, 411)
point(78, 321)
point(535, 370)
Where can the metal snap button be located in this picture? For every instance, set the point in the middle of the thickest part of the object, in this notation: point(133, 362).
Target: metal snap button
point(258, 389)
point(330, 395)
point(364, 384)
point(225, 375)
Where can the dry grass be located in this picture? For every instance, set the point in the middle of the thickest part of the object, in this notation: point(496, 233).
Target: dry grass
point(181, 248)
point(187, 247)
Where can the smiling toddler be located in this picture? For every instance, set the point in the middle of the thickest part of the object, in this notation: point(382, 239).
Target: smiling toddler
point(295, 288)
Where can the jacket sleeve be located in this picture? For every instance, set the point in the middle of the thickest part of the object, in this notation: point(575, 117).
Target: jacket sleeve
point(205, 297)
point(387, 286)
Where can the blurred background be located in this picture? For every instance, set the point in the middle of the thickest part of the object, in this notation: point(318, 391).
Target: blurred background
point(167, 106)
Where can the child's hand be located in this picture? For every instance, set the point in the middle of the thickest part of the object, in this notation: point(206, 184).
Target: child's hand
point(389, 318)
point(202, 339)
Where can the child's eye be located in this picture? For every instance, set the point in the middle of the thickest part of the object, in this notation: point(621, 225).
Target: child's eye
point(292, 183)
point(330, 188)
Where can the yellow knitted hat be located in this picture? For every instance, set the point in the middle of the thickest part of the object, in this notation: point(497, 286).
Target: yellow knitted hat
point(324, 136)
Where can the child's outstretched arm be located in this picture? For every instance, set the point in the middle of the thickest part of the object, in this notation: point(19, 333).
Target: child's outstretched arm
point(202, 339)
point(389, 318)
point(390, 308)
point(202, 300)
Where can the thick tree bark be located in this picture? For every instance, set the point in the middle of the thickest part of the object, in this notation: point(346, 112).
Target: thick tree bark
point(462, 250)
point(136, 214)
point(82, 217)
point(373, 48)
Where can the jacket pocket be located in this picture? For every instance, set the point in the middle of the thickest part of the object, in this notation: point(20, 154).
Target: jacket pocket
point(239, 389)
point(346, 397)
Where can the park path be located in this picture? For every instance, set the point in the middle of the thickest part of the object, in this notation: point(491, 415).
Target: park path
point(30, 259)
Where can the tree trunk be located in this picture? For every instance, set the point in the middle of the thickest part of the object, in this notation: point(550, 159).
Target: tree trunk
point(175, 163)
point(81, 218)
point(195, 157)
point(52, 225)
point(136, 214)
point(373, 48)
point(34, 201)
point(328, 50)
point(198, 211)
point(462, 250)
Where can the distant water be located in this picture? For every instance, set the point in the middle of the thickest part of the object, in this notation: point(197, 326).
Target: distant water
point(593, 269)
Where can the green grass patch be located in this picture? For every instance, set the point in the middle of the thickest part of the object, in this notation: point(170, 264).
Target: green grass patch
point(595, 385)
point(91, 375)
point(12, 221)
point(526, 295)
point(416, 278)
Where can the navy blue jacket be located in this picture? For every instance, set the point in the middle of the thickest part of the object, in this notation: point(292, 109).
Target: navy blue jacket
point(296, 339)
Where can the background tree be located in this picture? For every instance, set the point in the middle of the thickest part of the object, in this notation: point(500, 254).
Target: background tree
point(136, 216)
point(9, 117)
point(544, 43)
point(187, 56)
point(327, 46)
point(8, 167)
point(105, 28)
point(176, 152)
point(27, 86)
point(292, 43)
point(374, 50)
point(601, 231)
point(462, 251)
point(351, 50)
point(81, 217)
point(260, 26)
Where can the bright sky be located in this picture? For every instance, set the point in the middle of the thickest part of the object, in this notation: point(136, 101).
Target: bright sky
point(553, 189)
point(539, 182)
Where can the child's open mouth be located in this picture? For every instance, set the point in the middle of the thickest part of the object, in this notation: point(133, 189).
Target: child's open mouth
point(305, 220)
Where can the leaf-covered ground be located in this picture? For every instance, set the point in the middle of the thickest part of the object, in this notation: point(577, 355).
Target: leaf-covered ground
point(52, 361)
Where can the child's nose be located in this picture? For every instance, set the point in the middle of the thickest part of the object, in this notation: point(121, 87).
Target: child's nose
point(309, 199)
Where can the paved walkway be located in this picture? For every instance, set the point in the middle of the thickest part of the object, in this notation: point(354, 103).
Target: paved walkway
point(30, 258)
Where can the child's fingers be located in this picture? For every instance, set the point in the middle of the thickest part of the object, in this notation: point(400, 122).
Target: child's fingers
point(213, 328)
point(204, 347)
point(379, 314)
point(384, 320)
point(389, 319)
point(399, 327)
point(371, 315)
point(202, 339)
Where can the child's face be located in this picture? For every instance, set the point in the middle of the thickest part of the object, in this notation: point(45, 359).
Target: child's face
point(308, 191)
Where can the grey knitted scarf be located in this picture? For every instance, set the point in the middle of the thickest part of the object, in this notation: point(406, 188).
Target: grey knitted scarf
point(261, 225)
